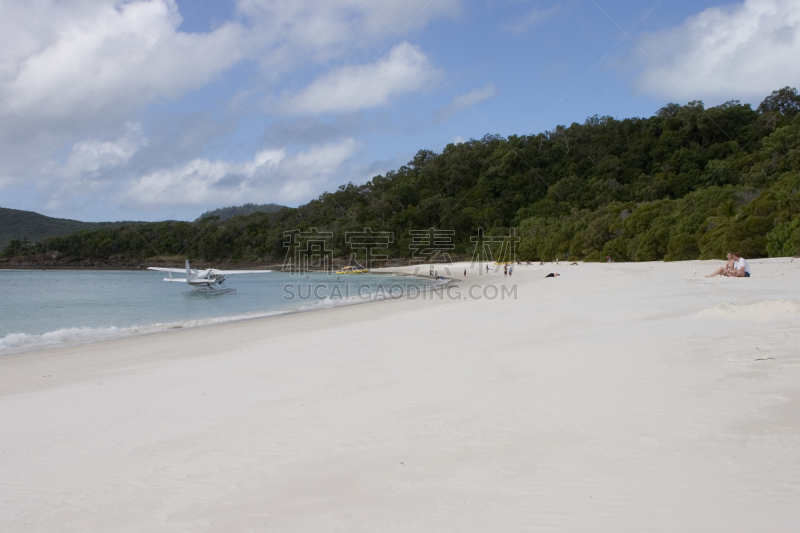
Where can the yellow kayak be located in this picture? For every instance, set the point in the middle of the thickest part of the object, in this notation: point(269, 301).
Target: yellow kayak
point(352, 270)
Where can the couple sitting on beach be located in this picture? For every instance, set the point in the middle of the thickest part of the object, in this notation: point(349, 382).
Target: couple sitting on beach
point(736, 267)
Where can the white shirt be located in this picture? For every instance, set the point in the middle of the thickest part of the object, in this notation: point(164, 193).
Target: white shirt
point(742, 263)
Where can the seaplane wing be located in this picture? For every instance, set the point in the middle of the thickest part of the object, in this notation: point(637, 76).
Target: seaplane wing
point(231, 272)
point(214, 270)
point(207, 281)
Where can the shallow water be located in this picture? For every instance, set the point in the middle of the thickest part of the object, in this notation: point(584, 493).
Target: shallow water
point(47, 307)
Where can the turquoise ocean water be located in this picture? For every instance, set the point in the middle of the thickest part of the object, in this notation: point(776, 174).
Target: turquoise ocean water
point(43, 308)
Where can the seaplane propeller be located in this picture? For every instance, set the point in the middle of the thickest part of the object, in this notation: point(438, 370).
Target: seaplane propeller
point(205, 281)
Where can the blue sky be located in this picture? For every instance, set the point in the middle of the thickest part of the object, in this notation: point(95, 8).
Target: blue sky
point(164, 109)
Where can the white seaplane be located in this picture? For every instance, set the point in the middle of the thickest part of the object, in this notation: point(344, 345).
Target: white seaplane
point(205, 281)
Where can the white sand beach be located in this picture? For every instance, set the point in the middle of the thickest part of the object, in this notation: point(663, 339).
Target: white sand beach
point(616, 397)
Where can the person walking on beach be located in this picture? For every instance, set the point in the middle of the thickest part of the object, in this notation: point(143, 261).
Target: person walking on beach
point(505, 271)
point(723, 271)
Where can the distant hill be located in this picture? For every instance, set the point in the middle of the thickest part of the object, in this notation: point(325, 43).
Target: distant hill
point(17, 224)
point(224, 213)
point(685, 183)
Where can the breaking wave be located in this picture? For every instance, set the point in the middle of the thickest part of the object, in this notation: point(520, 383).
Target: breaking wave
point(19, 342)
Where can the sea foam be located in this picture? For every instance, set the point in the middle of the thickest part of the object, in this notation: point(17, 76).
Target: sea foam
point(19, 342)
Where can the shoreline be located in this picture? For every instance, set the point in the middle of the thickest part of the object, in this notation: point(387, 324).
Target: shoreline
point(621, 397)
point(310, 306)
point(127, 332)
point(112, 333)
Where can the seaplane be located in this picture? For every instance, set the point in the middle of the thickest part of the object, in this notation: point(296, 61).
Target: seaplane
point(205, 281)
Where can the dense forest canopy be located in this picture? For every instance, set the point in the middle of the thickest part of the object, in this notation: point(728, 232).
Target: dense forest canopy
point(687, 183)
point(224, 213)
point(25, 226)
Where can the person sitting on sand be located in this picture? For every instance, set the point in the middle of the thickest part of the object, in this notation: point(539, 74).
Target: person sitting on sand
point(552, 275)
point(741, 268)
point(723, 271)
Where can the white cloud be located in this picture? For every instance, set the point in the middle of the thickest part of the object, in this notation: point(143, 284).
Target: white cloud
point(190, 184)
point(405, 69)
point(95, 166)
point(91, 156)
point(532, 18)
point(317, 31)
point(323, 160)
point(271, 157)
point(59, 61)
point(76, 72)
point(467, 101)
point(78, 56)
point(271, 177)
point(741, 51)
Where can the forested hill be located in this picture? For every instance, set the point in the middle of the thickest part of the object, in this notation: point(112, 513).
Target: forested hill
point(224, 213)
point(685, 183)
point(21, 225)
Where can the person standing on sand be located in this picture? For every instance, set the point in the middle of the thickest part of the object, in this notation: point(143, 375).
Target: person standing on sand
point(723, 271)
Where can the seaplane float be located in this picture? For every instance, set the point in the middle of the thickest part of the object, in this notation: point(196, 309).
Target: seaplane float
point(205, 281)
